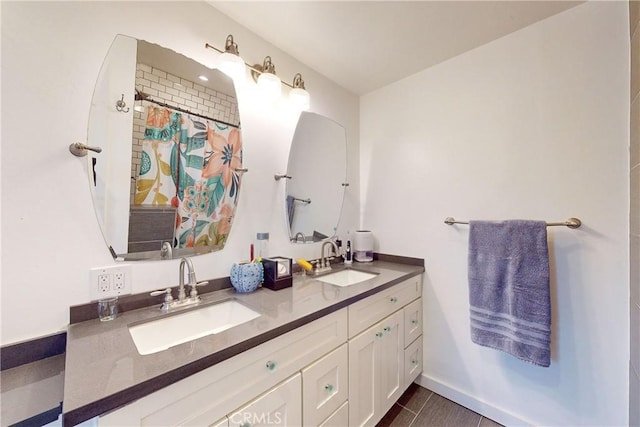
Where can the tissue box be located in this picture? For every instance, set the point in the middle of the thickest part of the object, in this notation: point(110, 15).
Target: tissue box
point(277, 273)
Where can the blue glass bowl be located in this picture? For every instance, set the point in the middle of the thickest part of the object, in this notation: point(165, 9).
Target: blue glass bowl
point(246, 277)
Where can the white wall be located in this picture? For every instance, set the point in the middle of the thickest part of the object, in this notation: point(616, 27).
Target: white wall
point(51, 56)
point(533, 125)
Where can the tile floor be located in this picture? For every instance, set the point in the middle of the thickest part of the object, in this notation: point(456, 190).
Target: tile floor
point(419, 407)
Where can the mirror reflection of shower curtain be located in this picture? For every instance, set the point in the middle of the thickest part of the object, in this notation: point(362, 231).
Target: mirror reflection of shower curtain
point(190, 163)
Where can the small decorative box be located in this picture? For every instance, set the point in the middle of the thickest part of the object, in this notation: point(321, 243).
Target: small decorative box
point(277, 273)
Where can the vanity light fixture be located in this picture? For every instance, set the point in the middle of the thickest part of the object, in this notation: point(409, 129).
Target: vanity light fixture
point(298, 94)
point(265, 76)
point(229, 62)
point(268, 82)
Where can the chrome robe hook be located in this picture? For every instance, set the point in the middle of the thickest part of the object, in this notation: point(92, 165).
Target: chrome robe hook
point(121, 105)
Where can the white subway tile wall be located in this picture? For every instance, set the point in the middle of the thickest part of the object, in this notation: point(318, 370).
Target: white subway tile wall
point(176, 91)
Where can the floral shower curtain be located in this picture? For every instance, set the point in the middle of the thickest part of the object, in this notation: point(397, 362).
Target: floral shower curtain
point(190, 163)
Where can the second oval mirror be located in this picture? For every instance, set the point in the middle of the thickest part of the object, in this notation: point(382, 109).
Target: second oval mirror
point(317, 177)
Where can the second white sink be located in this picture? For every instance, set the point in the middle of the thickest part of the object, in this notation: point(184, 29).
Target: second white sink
point(157, 335)
point(346, 277)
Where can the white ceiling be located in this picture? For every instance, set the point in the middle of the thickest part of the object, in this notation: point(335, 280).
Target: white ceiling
point(365, 45)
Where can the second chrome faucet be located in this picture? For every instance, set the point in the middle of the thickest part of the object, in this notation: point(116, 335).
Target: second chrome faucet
point(324, 263)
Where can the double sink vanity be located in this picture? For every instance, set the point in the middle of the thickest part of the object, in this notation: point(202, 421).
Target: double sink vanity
point(335, 349)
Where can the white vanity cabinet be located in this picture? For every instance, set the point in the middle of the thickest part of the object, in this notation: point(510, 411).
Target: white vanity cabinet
point(378, 356)
point(346, 368)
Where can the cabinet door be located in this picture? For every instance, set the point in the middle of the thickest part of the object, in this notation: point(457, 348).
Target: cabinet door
point(390, 361)
point(363, 377)
point(376, 370)
point(280, 406)
point(324, 386)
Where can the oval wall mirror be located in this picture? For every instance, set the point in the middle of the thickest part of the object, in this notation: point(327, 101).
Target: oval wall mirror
point(166, 183)
point(317, 173)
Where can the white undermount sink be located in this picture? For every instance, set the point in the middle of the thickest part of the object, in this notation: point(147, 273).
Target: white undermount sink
point(346, 277)
point(173, 329)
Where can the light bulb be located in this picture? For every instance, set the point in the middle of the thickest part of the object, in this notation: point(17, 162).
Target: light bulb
point(269, 85)
point(232, 65)
point(299, 98)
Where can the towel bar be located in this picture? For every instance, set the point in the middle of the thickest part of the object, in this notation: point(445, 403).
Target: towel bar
point(571, 222)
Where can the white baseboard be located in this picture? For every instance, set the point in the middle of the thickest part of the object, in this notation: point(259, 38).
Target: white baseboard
point(481, 407)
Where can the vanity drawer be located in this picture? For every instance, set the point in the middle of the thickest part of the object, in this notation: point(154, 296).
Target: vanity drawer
point(412, 321)
point(325, 386)
point(280, 406)
point(340, 418)
point(370, 310)
point(220, 389)
point(412, 362)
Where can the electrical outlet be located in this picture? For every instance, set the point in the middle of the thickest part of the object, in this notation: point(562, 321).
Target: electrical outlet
point(104, 283)
point(111, 281)
point(118, 281)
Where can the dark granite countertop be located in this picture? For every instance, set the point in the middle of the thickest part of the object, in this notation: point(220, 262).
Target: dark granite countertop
point(105, 371)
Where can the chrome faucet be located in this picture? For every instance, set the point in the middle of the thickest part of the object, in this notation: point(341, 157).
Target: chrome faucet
point(182, 300)
point(324, 264)
point(299, 234)
point(182, 295)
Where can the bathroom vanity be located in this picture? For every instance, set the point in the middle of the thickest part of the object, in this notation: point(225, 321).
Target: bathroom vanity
point(319, 354)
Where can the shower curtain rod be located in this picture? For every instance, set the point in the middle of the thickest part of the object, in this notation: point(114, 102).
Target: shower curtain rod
point(142, 97)
point(571, 222)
